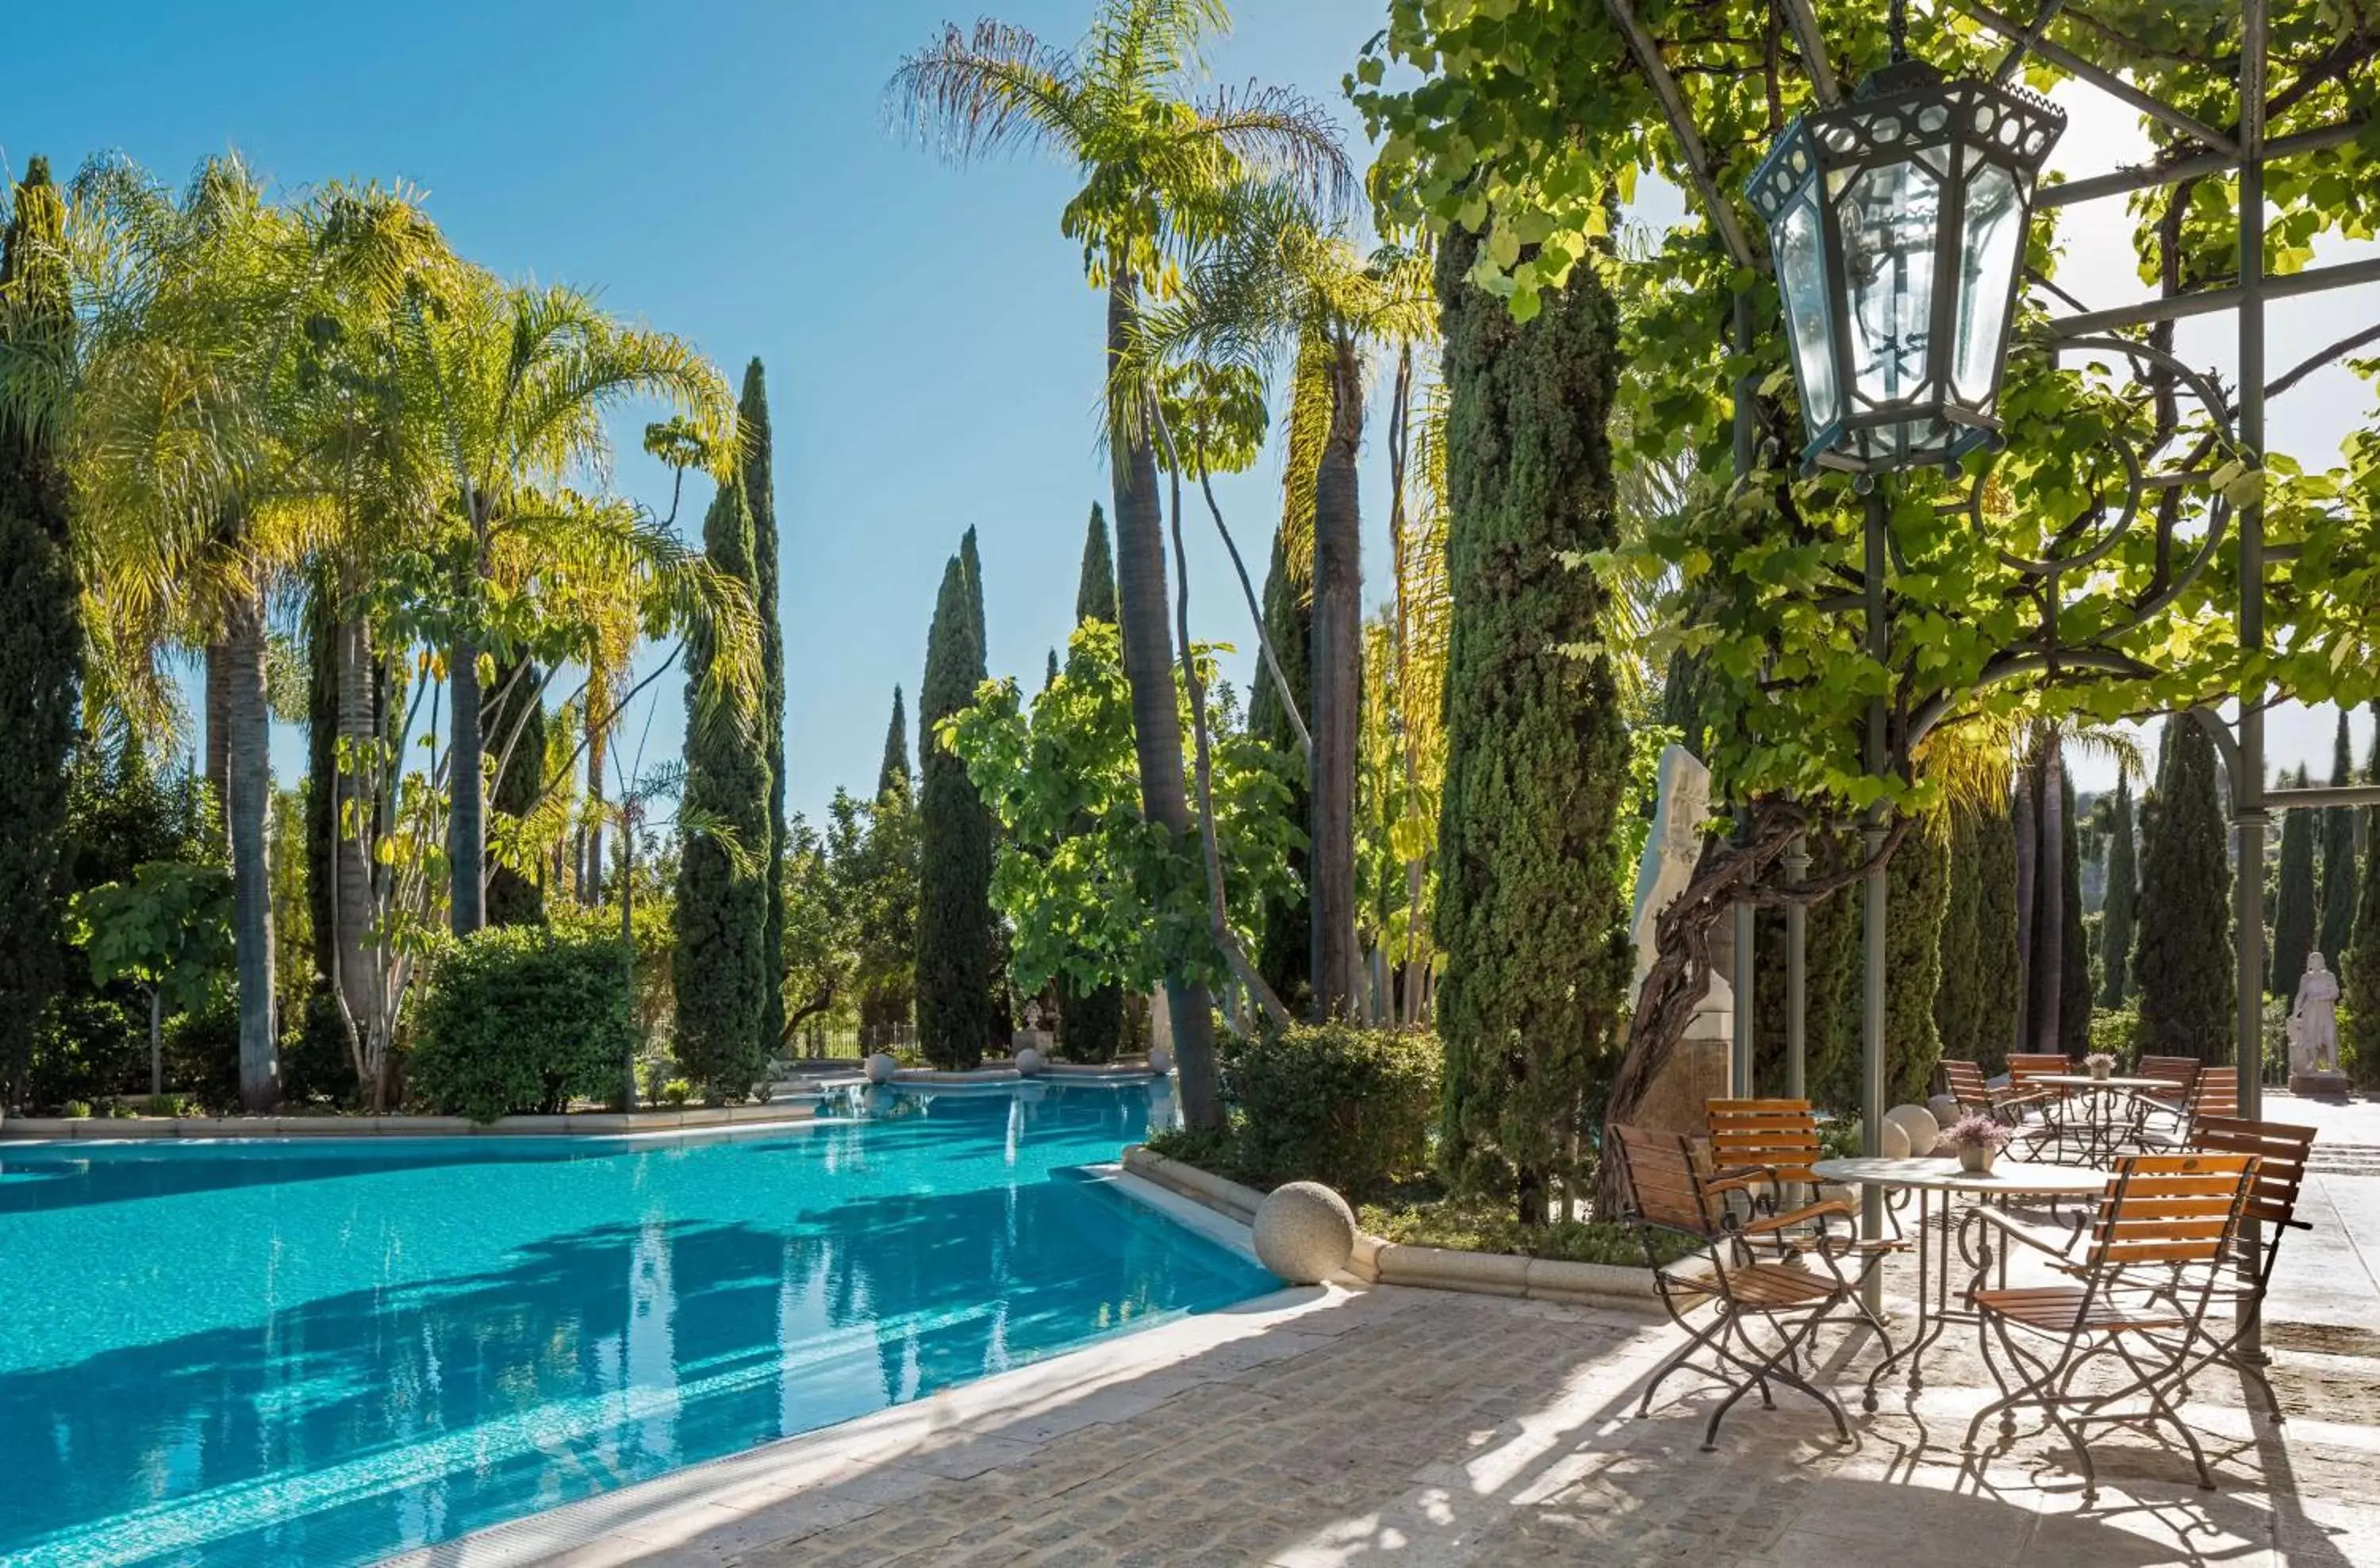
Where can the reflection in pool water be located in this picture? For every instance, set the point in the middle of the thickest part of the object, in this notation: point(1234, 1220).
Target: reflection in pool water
point(322, 1353)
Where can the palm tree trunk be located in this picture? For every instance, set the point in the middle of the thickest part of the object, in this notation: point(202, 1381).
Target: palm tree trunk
point(352, 827)
point(1156, 710)
point(1337, 684)
point(599, 735)
point(466, 833)
point(2049, 882)
point(217, 764)
point(2027, 854)
point(246, 809)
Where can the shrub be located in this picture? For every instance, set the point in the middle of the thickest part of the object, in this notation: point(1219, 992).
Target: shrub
point(75, 1109)
point(523, 1018)
point(1345, 1106)
point(676, 1092)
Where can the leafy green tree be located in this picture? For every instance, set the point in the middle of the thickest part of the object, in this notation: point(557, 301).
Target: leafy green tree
point(955, 963)
point(1099, 898)
point(1095, 596)
point(1530, 913)
point(1153, 155)
point(873, 851)
point(2182, 956)
point(2117, 912)
point(2338, 852)
point(760, 492)
point(818, 942)
point(2293, 902)
point(720, 970)
point(40, 634)
point(168, 932)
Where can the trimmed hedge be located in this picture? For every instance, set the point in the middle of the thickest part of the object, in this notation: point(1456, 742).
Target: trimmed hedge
point(1348, 1107)
point(522, 1019)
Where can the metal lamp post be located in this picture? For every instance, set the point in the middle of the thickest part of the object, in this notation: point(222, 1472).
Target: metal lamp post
point(1897, 221)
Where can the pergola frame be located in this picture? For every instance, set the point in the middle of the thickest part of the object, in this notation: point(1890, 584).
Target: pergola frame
point(2242, 740)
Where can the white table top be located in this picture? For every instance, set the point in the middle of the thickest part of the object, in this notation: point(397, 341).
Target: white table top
point(2023, 1178)
point(2084, 1080)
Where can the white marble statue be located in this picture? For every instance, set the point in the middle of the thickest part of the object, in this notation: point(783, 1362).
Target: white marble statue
point(2313, 1021)
point(1671, 850)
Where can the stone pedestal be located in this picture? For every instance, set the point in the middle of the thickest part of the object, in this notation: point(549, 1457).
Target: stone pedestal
point(2318, 1086)
point(1697, 1071)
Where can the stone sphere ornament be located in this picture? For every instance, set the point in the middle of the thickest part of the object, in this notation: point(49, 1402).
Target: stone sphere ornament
point(1161, 1061)
point(1944, 1107)
point(1917, 1123)
point(1304, 1233)
point(1892, 1140)
point(1029, 1062)
point(882, 1067)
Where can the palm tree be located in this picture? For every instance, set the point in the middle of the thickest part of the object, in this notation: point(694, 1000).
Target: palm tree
point(1275, 289)
point(196, 462)
point(517, 380)
point(1123, 105)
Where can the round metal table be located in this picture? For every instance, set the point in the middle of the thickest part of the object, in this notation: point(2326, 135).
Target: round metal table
point(2101, 1132)
point(1925, 1176)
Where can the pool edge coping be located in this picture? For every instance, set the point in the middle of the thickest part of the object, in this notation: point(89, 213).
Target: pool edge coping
point(227, 1129)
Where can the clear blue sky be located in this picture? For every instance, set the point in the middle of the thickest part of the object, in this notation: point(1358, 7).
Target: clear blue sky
point(725, 171)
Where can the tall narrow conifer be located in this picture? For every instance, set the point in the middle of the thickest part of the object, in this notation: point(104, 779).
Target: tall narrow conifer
point(956, 960)
point(2338, 856)
point(2293, 898)
point(719, 970)
point(1530, 911)
point(40, 634)
point(760, 495)
point(2182, 955)
point(2116, 911)
point(1095, 595)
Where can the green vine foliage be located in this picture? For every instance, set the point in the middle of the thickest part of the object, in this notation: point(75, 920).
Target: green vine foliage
point(1095, 893)
point(1532, 124)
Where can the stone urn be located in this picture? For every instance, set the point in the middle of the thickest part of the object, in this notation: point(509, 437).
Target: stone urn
point(1975, 1159)
point(2100, 1070)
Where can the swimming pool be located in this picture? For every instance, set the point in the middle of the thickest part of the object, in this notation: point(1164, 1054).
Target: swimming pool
point(322, 1353)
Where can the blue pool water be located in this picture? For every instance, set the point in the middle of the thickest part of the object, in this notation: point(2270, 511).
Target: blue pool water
point(323, 1353)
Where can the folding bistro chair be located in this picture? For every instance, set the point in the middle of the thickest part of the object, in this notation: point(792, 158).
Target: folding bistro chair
point(2246, 1267)
point(2181, 1072)
point(2140, 1290)
point(2024, 1066)
point(1776, 1141)
point(2216, 1093)
point(1964, 1082)
point(1743, 1274)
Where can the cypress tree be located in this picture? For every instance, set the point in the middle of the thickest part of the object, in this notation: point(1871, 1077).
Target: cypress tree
point(972, 565)
point(719, 970)
point(1917, 897)
point(2183, 952)
point(1530, 910)
point(894, 771)
point(2074, 994)
point(955, 959)
point(2293, 899)
point(2116, 911)
point(1998, 969)
point(41, 635)
point(1095, 596)
point(2359, 972)
point(2339, 851)
point(1954, 999)
point(760, 495)
point(1285, 940)
point(515, 898)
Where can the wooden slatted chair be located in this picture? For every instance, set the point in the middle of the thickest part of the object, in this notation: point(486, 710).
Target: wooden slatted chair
point(1776, 1142)
point(2140, 1291)
point(2021, 1110)
point(1739, 1269)
point(2216, 1093)
point(2181, 1072)
point(2024, 1066)
point(2246, 1270)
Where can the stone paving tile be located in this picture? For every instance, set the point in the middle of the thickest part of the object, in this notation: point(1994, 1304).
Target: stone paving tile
point(1404, 1428)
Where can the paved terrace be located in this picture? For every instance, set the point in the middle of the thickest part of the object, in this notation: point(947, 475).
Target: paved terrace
point(1390, 1427)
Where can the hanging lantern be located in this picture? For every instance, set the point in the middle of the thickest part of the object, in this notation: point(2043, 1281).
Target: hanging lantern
point(1897, 221)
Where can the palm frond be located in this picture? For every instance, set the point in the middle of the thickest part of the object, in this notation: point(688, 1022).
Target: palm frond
point(996, 90)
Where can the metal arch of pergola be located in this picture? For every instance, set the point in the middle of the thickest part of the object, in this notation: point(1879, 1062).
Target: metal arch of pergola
point(2241, 740)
